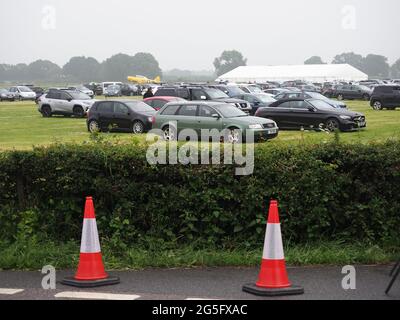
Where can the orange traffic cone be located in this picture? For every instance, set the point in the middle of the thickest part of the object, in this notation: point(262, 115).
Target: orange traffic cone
point(90, 271)
point(273, 279)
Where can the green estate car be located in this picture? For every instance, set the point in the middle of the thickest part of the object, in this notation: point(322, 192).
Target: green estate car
point(225, 117)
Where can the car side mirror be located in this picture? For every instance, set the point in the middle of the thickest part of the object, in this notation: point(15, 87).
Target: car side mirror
point(203, 98)
point(216, 116)
point(311, 109)
point(69, 99)
point(256, 103)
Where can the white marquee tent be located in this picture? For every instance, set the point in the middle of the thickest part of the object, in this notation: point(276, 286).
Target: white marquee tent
point(311, 73)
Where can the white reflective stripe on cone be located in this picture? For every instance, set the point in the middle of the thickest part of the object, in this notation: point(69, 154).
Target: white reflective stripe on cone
point(273, 248)
point(90, 237)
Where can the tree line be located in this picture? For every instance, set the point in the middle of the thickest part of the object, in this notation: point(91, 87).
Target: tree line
point(83, 69)
point(375, 66)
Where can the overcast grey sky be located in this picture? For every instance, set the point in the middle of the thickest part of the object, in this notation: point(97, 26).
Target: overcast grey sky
point(189, 34)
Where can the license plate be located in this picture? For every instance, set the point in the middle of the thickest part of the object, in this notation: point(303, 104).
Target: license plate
point(272, 131)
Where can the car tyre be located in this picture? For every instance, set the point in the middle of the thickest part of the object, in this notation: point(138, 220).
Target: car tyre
point(46, 111)
point(169, 134)
point(332, 125)
point(377, 105)
point(138, 127)
point(79, 112)
point(94, 126)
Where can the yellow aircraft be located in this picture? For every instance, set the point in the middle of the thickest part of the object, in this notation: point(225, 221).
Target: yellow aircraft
point(144, 80)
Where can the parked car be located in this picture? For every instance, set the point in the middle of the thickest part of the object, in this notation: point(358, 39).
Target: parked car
point(309, 88)
point(250, 88)
point(385, 96)
point(23, 93)
point(120, 115)
point(199, 115)
point(158, 102)
point(258, 100)
point(276, 91)
point(64, 102)
point(130, 90)
point(202, 93)
point(311, 113)
point(6, 95)
point(230, 90)
point(352, 92)
point(84, 90)
point(95, 87)
point(113, 91)
point(310, 95)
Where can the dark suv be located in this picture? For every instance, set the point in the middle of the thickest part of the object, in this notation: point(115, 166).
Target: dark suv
point(385, 96)
point(121, 115)
point(200, 93)
point(352, 92)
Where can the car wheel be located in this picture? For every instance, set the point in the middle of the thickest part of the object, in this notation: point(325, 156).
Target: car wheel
point(340, 97)
point(138, 127)
point(377, 105)
point(169, 134)
point(332, 125)
point(46, 111)
point(232, 136)
point(94, 126)
point(79, 112)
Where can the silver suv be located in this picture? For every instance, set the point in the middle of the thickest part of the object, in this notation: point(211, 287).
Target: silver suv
point(65, 102)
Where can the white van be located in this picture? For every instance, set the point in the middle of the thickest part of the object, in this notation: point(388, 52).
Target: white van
point(105, 85)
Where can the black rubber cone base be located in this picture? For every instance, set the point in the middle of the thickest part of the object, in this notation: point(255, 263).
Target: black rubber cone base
point(71, 281)
point(266, 292)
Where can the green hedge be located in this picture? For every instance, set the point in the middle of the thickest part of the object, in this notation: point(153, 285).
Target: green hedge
point(330, 192)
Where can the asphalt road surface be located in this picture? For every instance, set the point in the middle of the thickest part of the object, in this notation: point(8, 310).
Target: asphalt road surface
point(320, 283)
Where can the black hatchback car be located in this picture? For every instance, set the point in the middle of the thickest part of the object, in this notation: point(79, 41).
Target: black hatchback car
point(385, 97)
point(311, 114)
point(121, 115)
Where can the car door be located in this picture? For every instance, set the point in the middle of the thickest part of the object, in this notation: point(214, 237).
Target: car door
point(65, 103)
point(106, 114)
point(122, 116)
point(299, 115)
point(280, 114)
point(396, 101)
point(53, 98)
point(186, 117)
point(205, 119)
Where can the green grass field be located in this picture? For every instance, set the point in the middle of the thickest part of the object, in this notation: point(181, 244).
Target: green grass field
point(22, 127)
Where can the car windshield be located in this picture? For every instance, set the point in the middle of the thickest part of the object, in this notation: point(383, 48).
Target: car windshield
point(320, 104)
point(234, 91)
point(316, 95)
point(114, 87)
point(254, 89)
point(216, 94)
point(76, 95)
point(264, 98)
point(139, 106)
point(364, 88)
point(24, 89)
point(230, 111)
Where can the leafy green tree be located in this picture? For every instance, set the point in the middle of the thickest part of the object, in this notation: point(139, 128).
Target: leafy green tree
point(355, 60)
point(228, 61)
point(146, 65)
point(82, 69)
point(314, 60)
point(376, 66)
point(395, 70)
point(43, 70)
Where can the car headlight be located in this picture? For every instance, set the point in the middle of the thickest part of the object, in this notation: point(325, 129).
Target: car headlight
point(345, 117)
point(255, 126)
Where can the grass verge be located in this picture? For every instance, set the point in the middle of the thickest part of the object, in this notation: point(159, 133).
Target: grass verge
point(33, 255)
